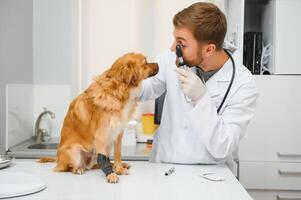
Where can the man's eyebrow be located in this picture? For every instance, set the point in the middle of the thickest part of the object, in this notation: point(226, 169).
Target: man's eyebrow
point(181, 38)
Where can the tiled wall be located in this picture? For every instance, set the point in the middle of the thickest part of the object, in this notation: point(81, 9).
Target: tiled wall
point(25, 102)
point(19, 109)
point(55, 98)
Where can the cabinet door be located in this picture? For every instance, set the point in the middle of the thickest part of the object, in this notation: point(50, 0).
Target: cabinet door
point(270, 175)
point(287, 37)
point(275, 132)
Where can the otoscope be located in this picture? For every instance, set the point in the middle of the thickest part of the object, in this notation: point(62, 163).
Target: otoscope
point(179, 54)
point(181, 61)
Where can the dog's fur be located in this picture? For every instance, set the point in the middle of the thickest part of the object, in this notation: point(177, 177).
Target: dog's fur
point(97, 117)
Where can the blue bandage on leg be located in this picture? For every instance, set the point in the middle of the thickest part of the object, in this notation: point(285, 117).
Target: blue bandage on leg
point(105, 164)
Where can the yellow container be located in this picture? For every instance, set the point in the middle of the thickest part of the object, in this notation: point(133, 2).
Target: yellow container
point(149, 127)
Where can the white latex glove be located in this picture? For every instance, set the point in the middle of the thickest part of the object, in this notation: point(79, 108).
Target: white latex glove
point(191, 85)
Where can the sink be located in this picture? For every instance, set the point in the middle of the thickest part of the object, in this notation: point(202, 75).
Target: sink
point(43, 146)
point(31, 149)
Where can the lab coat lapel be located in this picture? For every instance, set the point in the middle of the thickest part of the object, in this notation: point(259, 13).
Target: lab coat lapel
point(215, 85)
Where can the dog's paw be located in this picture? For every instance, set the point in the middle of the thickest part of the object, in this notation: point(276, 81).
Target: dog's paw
point(46, 160)
point(121, 168)
point(126, 165)
point(78, 170)
point(123, 164)
point(112, 178)
point(121, 171)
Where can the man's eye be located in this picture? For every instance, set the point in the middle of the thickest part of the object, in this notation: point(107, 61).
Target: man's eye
point(182, 45)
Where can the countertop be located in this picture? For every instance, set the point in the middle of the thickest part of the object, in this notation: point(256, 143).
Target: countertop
point(146, 181)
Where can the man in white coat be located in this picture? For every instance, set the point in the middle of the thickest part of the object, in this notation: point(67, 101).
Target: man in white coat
point(193, 130)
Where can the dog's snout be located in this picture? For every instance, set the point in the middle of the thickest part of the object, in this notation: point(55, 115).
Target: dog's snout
point(154, 69)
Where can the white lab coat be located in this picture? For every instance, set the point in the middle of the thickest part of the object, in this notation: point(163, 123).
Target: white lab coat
point(196, 134)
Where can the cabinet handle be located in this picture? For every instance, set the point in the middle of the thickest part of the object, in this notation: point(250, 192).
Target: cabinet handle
point(288, 172)
point(294, 155)
point(286, 197)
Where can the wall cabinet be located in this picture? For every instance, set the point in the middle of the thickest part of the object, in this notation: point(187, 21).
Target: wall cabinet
point(278, 20)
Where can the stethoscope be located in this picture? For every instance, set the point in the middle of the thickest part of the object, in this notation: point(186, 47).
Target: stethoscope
point(182, 64)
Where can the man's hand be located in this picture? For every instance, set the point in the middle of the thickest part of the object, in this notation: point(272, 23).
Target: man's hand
point(191, 85)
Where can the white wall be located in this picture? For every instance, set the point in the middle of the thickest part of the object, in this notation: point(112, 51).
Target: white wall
point(52, 41)
point(108, 31)
point(16, 39)
point(112, 28)
point(52, 59)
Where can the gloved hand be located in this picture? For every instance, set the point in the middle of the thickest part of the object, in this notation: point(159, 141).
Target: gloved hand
point(191, 85)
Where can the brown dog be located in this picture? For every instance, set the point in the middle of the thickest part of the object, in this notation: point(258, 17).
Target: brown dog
point(97, 117)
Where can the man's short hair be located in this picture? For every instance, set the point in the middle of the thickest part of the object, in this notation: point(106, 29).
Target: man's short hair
point(206, 21)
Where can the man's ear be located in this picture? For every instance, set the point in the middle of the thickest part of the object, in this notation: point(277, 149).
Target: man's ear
point(210, 49)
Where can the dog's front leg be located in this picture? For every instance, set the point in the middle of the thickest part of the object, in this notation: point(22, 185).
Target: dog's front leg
point(103, 160)
point(119, 166)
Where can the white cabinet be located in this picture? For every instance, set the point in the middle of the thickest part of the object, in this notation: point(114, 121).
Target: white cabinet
point(270, 152)
point(275, 132)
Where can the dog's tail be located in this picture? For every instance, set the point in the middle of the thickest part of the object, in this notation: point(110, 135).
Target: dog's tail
point(47, 159)
point(59, 167)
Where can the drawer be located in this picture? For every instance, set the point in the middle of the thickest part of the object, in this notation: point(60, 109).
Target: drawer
point(266, 146)
point(257, 150)
point(274, 195)
point(274, 134)
point(270, 175)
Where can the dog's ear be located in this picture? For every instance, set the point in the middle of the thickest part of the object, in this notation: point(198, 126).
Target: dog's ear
point(129, 74)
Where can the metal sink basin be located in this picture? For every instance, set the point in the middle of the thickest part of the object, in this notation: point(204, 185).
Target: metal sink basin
point(31, 149)
point(43, 146)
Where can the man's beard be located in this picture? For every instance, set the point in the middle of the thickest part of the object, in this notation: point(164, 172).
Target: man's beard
point(191, 64)
point(195, 63)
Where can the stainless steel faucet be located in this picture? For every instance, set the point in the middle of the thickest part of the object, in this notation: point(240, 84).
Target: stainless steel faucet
point(42, 135)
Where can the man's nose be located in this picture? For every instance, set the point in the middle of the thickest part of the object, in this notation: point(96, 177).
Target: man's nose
point(173, 46)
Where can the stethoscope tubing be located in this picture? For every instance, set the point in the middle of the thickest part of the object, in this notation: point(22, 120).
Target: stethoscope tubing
point(231, 82)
